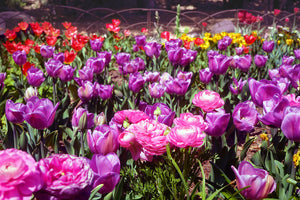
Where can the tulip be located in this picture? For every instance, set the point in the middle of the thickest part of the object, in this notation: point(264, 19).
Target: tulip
point(288, 60)
point(140, 63)
point(40, 113)
point(82, 119)
point(173, 44)
point(14, 112)
point(156, 90)
point(129, 67)
point(47, 51)
point(245, 116)
point(106, 55)
point(175, 55)
point(19, 57)
point(208, 100)
point(106, 170)
point(122, 58)
point(66, 73)
point(164, 78)
point(69, 56)
point(59, 56)
point(19, 176)
point(103, 140)
point(218, 64)
point(152, 49)
point(205, 75)
point(239, 50)
point(290, 123)
point(53, 67)
point(86, 91)
point(136, 82)
point(286, 70)
point(165, 35)
point(217, 122)
point(276, 12)
point(160, 112)
point(294, 76)
point(260, 60)
point(188, 57)
point(65, 177)
point(224, 43)
point(243, 62)
point(297, 53)
point(237, 86)
point(100, 119)
point(86, 73)
point(30, 93)
point(103, 91)
point(140, 40)
point(35, 76)
point(260, 182)
point(268, 46)
point(96, 44)
point(2, 78)
point(151, 76)
point(177, 86)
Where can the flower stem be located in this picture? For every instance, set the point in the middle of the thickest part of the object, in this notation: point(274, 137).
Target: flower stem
point(81, 143)
point(54, 91)
point(42, 144)
point(179, 172)
point(15, 137)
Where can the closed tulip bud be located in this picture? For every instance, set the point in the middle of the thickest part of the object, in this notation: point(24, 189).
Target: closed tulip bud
point(19, 57)
point(140, 40)
point(15, 111)
point(260, 60)
point(53, 67)
point(260, 182)
point(35, 76)
point(86, 91)
point(30, 92)
point(47, 51)
point(268, 46)
point(205, 75)
point(156, 90)
point(66, 73)
point(100, 119)
point(96, 44)
point(217, 122)
point(136, 82)
point(59, 56)
point(82, 119)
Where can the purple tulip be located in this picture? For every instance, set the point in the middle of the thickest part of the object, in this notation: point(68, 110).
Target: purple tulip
point(274, 74)
point(268, 46)
point(177, 86)
point(184, 75)
point(103, 140)
point(151, 76)
point(205, 75)
point(53, 67)
point(97, 64)
point(30, 93)
point(164, 78)
point(140, 40)
point(106, 55)
point(212, 53)
point(106, 170)
point(156, 90)
point(103, 91)
point(187, 57)
point(59, 56)
point(135, 48)
point(218, 64)
point(297, 53)
point(217, 122)
point(82, 118)
point(224, 43)
point(35, 76)
point(160, 112)
point(2, 78)
point(14, 112)
point(152, 49)
point(136, 82)
point(40, 113)
point(122, 58)
point(290, 123)
point(239, 50)
point(243, 62)
point(47, 51)
point(66, 73)
point(96, 44)
point(140, 63)
point(19, 57)
point(129, 67)
point(65, 177)
point(294, 76)
point(273, 111)
point(86, 73)
point(262, 90)
point(285, 70)
point(288, 60)
point(260, 182)
point(245, 116)
point(260, 60)
point(86, 91)
point(173, 44)
point(175, 55)
point(237, 86)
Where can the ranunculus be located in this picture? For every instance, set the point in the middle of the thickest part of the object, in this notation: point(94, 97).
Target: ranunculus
point(14, 111)
point(19, 176)
point(188, 119)
point(65, 177)
point(103, 140)
point(208, 100)
point(260, 182)
point(106, 170)
point(294, 101)
point(245, 116)
point(40, 113)
point(79, 121)
point(186, 136)
point(217, 122)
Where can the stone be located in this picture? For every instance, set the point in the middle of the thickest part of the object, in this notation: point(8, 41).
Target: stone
point(224, 25)
point(10, 19)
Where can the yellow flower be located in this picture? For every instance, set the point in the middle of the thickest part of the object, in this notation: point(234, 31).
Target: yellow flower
point(264, 136)
point(254, 33)
point(296, 158)
point(205, 45)
point(289, 41)
point(278, 42)
point(216, 38)
point(223, 34)
point(207, 34)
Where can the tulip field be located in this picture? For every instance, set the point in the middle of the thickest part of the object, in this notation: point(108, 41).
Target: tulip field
point(133, 115)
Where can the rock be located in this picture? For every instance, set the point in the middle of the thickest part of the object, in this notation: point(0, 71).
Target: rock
point(10, 19)
point(224, 25)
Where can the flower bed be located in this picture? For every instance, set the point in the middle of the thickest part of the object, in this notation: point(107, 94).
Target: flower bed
point(69, 130)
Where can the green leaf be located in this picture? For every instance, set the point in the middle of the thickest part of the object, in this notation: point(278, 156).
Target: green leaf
point(95, 191)
point(212, 196)
point(246, 148)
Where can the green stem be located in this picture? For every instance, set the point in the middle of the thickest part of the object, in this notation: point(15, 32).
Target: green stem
point(81, 141)
point(54, 91)
point(179, 172)
point(42, 143)
point(15, 137)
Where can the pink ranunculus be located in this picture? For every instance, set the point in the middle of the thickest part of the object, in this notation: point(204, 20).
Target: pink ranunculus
point(127, 117)
point(294, 101)
point(186, 136)
point(65, 177)
point(148, 136)
point(208, 100)
point(188, 119)
point(19, 175)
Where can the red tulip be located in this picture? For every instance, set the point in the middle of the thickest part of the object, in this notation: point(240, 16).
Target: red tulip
point(276, 12)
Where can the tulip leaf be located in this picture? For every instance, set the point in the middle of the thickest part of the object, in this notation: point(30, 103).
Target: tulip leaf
point(69, 147)
point(246, 148)
point(23, 140)
point(212, 196)
point(95, 191)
